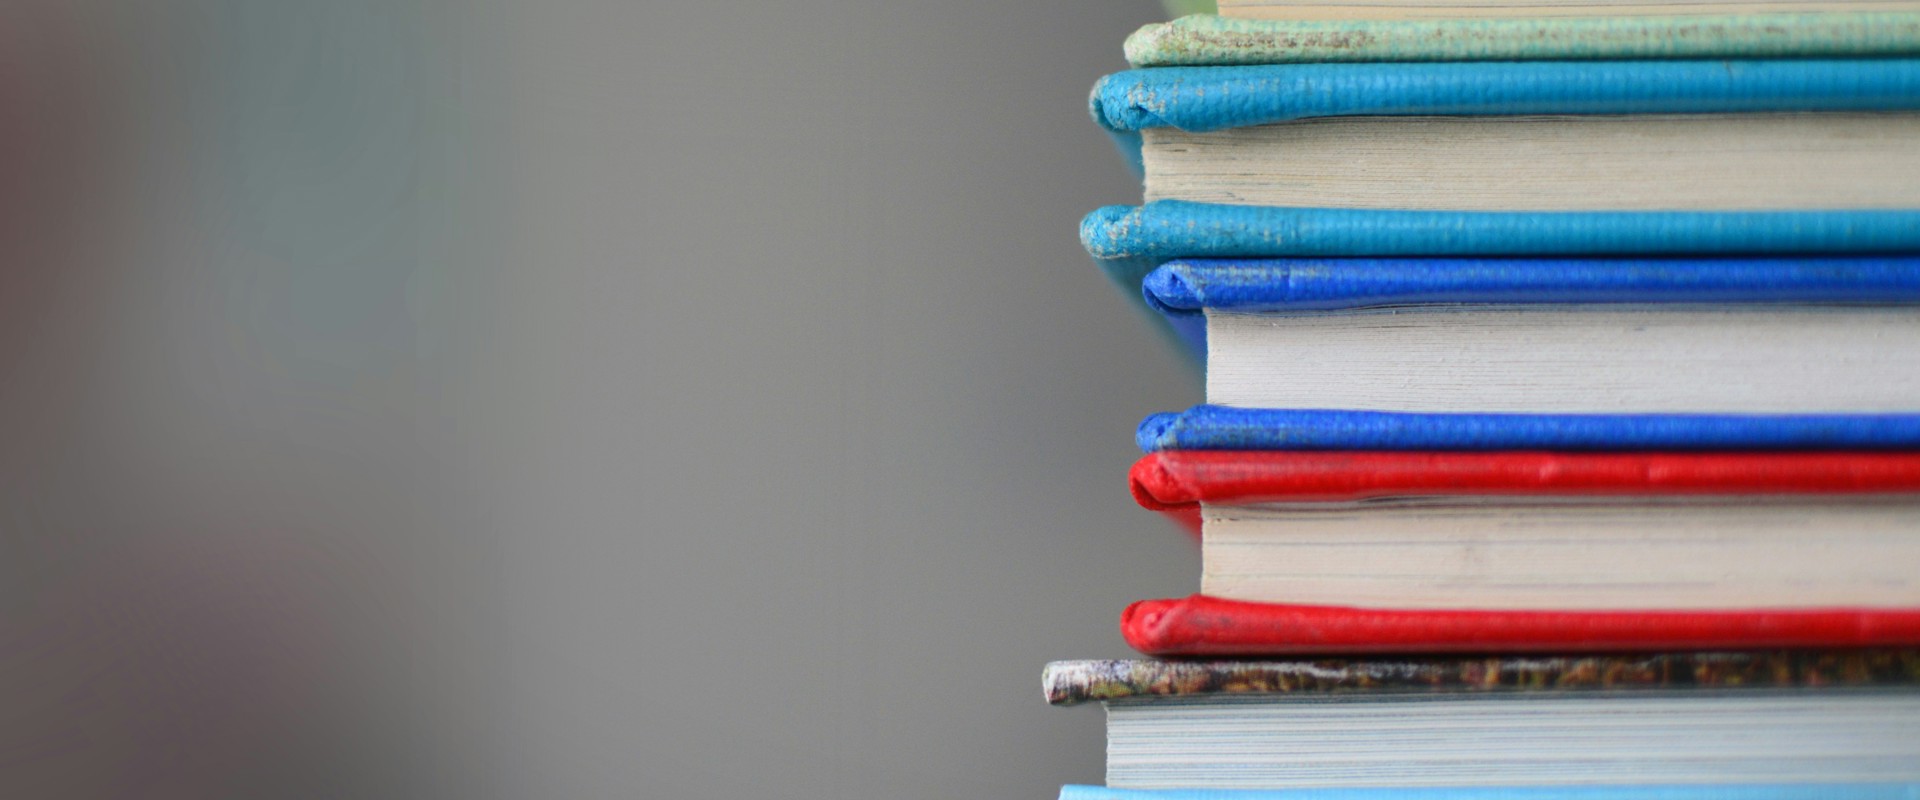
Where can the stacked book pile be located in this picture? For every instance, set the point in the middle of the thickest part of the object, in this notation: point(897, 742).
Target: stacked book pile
point(1562, 422)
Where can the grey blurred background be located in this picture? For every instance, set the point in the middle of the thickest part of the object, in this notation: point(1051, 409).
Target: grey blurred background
point(421, 398)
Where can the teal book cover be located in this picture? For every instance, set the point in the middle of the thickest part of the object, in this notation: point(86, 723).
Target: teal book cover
point(1130, 242)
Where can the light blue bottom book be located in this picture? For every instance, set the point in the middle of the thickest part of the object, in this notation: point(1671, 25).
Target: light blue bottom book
point(1809, 791)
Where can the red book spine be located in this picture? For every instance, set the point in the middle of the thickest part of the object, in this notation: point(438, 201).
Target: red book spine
point(1174, 479)
point(1211, 627)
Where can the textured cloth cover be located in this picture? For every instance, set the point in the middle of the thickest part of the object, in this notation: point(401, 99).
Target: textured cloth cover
point(1200, 626)
point(1208, 40)
point(1172, 479)
point(1129, 242)
point(1182, 290)
point(1213, 98)
point(1208, 427)
point(1072, 682)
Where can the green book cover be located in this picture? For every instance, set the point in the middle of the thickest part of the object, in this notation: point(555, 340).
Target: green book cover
point(1180, 8)
point(1204, 40)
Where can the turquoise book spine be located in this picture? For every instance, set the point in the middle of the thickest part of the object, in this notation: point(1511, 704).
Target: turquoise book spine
point(1213, 98)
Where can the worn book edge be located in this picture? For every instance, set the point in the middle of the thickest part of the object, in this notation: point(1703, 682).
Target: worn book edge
point(1211, 40)
point(1067, 683)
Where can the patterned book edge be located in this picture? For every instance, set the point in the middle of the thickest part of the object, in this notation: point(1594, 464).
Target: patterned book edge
point(1073, 682)
point(1207, 40)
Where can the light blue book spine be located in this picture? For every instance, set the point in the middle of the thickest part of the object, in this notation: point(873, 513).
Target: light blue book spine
point(1212, 98)
point(1808, 791)
point(1168, 229)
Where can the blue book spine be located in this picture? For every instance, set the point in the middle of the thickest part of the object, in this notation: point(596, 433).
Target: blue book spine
point(1167, 229)
point(1784, 791)
point(1184, 289)
point(1212, 98)
point(1129, 242)
point(1209, 427)
point(1332, 284)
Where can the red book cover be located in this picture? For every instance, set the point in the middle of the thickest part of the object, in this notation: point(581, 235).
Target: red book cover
point(1201, 626)
point(1178, 480)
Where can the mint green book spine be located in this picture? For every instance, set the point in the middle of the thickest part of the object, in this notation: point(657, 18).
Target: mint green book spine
point(1206, 40)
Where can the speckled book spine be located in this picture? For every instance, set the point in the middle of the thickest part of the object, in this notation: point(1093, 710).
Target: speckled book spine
point(1072, 682)
point(1207, 40)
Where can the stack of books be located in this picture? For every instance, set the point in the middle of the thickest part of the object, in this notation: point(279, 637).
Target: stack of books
point(1562, 434)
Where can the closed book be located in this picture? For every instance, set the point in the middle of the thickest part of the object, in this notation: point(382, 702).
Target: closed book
point(1528, 530)
point(1779, 723)
point(1813, 335)
point(1156, 114)
point(1711, 791)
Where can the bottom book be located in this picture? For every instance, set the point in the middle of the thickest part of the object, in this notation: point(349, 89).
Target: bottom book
point(1805, 791)
point(1754, 724)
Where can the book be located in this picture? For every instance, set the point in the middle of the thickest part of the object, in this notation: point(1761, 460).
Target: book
point(1186, 291)
point(1456, 9)
point(1550, 135)
point(1211, 40)
point(1562, 531)
point(1538, 726)
point(1780, 791)
point(1552, 336)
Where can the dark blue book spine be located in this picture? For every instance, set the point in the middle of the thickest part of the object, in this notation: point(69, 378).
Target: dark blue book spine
point(1208, 427)
point(1190, 286)
point(1182, 290)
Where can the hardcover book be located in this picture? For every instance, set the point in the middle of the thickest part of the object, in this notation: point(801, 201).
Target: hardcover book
point(1736, 791)
point(1207, 99)
point(1522, 530)
point(1553, 336)
point(1525, 136)
point(1743, 719)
